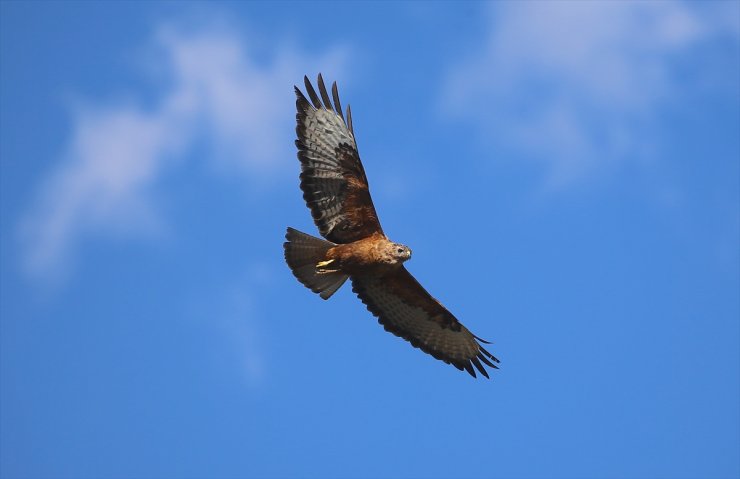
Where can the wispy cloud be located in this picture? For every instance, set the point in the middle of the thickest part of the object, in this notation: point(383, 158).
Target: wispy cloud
point(575, 83)
point(239, 318)
point(215, 90)
point(233, 309)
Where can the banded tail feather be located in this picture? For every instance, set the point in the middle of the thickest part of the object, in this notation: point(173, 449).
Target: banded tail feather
point(303, 252)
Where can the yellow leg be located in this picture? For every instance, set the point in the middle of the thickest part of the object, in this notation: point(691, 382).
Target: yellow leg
point(321, 267)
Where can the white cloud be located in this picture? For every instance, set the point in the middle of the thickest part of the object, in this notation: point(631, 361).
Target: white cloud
point(575, 83)
point(217, 91)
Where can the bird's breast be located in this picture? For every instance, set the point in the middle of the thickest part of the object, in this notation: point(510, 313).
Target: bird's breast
point(366, 256)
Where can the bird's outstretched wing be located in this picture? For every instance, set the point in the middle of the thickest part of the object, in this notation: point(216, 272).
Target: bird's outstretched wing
point(332, 177)
point(405, 309)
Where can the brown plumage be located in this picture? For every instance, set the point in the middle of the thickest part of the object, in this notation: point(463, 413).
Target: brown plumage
point(336, 191)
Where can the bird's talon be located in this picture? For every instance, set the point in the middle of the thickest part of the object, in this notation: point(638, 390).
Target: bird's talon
point(320, 267)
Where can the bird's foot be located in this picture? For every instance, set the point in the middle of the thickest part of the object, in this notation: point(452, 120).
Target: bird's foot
point(321, 267)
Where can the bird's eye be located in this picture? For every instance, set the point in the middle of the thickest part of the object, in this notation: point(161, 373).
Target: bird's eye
point(400, 250)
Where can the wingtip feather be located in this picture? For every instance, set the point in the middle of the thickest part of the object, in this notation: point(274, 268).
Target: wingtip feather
point(337, 103)
point(312, 93)
point(479, 367)
point(486, 361)
point(349, 119)
point(481, 340)
point(324, 94)
point(490, 356)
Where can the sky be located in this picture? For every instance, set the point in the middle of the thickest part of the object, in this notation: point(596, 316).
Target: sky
point(566, 173)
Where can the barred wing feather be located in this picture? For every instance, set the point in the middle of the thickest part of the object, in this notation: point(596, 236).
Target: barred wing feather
point(406, 309)
point(333, 179)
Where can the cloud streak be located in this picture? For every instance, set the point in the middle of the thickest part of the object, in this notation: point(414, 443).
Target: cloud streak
point(216, 92)
point(574, 83)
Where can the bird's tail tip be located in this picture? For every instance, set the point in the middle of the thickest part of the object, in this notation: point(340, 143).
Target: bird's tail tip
point(305, 254)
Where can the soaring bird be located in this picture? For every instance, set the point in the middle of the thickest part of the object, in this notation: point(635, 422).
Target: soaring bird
point(336, 191)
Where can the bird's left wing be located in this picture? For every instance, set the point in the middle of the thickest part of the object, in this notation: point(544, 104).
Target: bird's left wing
point(332, 176)
point(407, 310)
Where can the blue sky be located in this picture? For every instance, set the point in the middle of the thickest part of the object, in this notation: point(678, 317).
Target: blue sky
point(567, 174)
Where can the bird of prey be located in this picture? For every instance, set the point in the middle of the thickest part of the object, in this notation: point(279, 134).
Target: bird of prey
point(335, 189)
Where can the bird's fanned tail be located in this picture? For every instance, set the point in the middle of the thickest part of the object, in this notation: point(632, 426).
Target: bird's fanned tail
point(302, 253)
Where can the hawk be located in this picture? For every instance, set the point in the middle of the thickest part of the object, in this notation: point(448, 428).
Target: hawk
point(336, 191)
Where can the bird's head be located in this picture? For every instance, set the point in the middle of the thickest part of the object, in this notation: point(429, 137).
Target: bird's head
point(400, 252)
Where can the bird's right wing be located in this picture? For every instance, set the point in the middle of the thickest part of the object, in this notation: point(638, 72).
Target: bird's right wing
point(332, 177)
point(405, 309)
